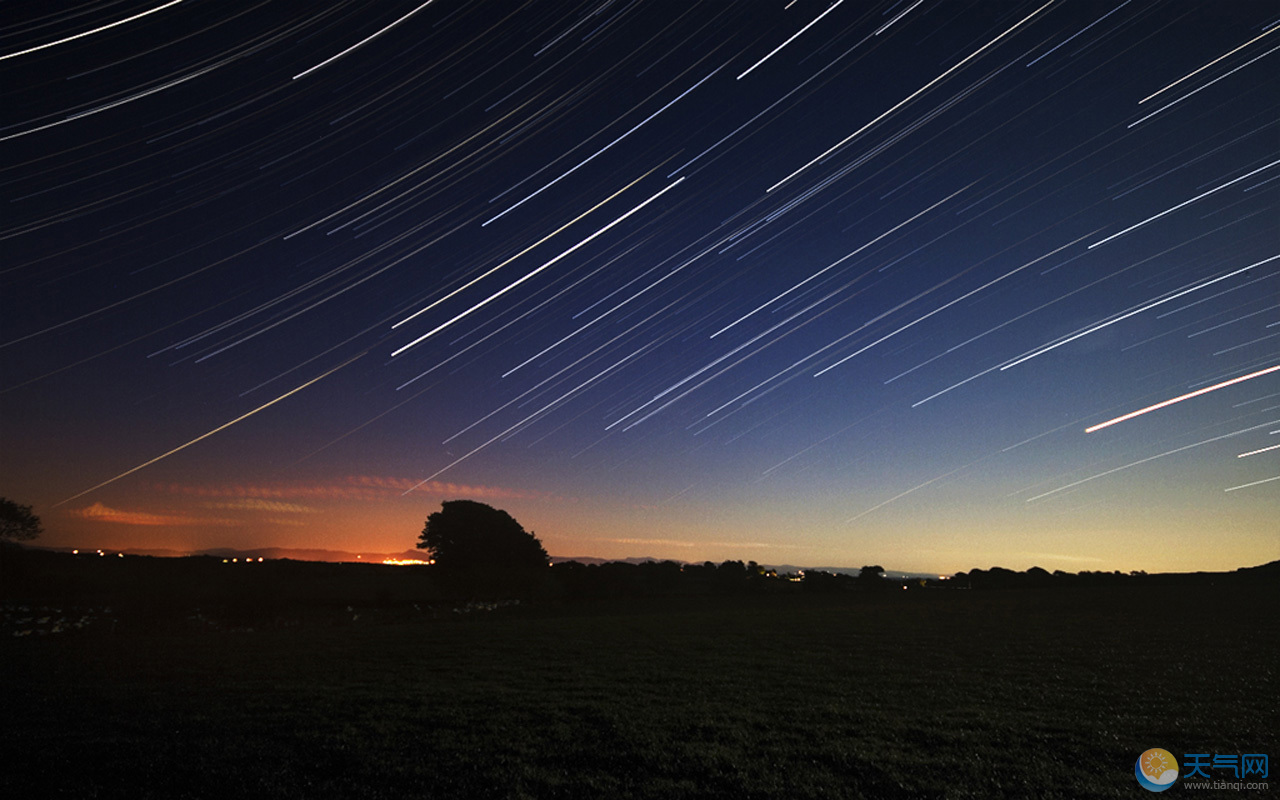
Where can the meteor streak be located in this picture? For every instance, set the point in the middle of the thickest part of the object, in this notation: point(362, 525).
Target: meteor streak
point(218, 429)
point(1259, 450)
point(1182, 397)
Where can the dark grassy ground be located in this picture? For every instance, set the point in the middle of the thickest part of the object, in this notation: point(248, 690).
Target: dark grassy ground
point(1021, 693)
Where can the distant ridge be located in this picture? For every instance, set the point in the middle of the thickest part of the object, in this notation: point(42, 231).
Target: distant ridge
point(295, 554)
point(598, 561)
point(1267, 571)
point(318, 554)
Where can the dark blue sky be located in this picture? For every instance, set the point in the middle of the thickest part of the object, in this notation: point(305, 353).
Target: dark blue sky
point(805, 283)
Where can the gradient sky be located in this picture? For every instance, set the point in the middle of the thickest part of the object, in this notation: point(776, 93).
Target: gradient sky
point(810, 283)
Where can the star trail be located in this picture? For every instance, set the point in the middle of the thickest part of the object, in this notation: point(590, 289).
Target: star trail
point(930, 284)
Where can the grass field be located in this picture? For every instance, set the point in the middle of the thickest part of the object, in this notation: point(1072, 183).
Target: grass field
point(1020, 694)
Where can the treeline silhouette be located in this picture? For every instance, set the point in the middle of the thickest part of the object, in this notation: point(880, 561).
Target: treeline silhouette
point(660, 578)
point(159, 589)
point(1001, 578)
point(572, 579)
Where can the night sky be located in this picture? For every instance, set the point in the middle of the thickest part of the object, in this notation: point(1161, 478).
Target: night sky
point(807, 283)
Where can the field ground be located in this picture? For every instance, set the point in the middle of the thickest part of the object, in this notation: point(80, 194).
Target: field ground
point(949, 693)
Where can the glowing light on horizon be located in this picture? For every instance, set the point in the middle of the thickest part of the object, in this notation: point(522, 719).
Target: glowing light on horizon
point(1180, 398)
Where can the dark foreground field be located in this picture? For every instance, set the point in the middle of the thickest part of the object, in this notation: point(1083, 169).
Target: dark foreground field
point(1020, 693)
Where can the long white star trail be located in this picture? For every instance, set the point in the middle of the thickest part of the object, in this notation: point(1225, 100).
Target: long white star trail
point(742, 272)
point(910, 97)
point(90, 32)
point(791, 39)
point(529, 275)
point(1144, 307)
point(360, 43)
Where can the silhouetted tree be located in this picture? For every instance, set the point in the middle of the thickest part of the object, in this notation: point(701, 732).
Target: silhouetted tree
point(816, 580)
point(1039, 576)
point(731, 575)
point(466, 535)
point(871, 574)
point(17, 523)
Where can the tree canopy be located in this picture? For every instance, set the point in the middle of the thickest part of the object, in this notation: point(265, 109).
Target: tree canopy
point(17, 523)
point(465, 534)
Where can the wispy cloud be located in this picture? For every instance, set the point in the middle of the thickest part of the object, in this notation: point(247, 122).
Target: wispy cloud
point(260, 504)
point(688, 543)
point(449, 490)
point(1061, 557)
point(102, 513)
point(353, 487)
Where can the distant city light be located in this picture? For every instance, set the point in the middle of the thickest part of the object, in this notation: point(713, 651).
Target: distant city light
point(405, 562)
